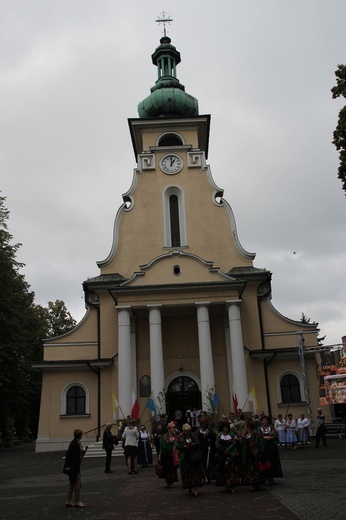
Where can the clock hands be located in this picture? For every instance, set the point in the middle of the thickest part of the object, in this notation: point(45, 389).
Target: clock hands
point(172, 160)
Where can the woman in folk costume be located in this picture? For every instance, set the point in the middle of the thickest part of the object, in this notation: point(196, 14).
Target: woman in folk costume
point(227, 458)
point(207, 438)
point(291, 437)
point(145, 455)
point(190, 463)
point(166, 456)
point(280, 427)
point(271, 452)
point(253, 449)
point(303, 424)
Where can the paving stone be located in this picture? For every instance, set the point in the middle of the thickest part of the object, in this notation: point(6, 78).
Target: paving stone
point(32, 486)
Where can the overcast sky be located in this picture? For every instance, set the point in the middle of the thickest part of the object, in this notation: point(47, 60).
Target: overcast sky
point(73, 71)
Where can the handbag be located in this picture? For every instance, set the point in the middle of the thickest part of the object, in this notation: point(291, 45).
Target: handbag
point(159, 470)
point(264, 466)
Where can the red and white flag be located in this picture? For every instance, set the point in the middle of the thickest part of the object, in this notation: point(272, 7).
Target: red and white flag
point(135, 406)
point(235, 401)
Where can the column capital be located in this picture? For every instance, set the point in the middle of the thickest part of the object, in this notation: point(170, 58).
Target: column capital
point(123, 307)
point(202, 304)
point(233, 302)
point(154, 306)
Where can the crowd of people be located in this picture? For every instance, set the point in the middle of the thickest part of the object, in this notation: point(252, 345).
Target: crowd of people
point(237, 450)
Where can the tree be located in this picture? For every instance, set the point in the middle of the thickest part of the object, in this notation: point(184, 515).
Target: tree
point(58, 319)
point(23, 325)
point(305, 319)
point(339, 133)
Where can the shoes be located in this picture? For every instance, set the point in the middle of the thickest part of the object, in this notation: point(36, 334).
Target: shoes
point(69, 504)
point(109, 471)
point(79, 504)
point(195, 493)
point(130, 472)
point(232, 491)
point(136, 471)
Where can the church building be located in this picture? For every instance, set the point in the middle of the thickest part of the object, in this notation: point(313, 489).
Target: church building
point(179, 314)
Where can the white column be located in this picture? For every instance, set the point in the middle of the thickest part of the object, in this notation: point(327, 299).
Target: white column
point(156, 352)
point(205, 351)
point(237, 352)
point(124, 360)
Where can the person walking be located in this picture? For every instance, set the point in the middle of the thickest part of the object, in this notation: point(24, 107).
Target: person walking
point(190, 458)
point(145, 456)
point(72, 464)
point(108, 443)
point(130, 437)
point(166, 456)
point(321, 429)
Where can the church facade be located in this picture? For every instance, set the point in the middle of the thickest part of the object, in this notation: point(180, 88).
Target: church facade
point(179, 313)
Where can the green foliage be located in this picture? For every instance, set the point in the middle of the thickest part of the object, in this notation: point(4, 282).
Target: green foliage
point(339, 133)
point(56, 319)
point(22, 327)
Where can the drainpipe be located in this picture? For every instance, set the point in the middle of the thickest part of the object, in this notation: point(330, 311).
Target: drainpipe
point(265, 365)
point(98, 371)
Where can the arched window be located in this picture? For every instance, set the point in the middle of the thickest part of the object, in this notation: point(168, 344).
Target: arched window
point(170, 140)
point(290, 389)
point(174, 217)
point(75, 400)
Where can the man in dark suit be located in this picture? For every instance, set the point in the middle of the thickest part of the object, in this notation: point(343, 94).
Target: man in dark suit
point(109, 440)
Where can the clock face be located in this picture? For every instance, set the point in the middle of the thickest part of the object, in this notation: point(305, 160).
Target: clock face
point(171, 164)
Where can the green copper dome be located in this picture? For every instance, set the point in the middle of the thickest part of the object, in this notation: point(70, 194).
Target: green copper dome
point(168, 96)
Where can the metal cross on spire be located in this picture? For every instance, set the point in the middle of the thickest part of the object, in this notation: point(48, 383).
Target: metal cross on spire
point(164, 18)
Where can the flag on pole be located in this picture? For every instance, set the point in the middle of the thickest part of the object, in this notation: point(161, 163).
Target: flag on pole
point(253, 399)
point(216, 400)
point(115, 405)
point(135, 406)
point(235, 400)
point(151, 406)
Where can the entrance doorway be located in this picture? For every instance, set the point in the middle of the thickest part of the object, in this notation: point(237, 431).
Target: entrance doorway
point(182, 394)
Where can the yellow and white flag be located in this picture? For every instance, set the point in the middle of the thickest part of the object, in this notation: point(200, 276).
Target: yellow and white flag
point(253, 399)
point(115, 405)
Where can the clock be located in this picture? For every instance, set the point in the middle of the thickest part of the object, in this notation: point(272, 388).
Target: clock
point(171, 163)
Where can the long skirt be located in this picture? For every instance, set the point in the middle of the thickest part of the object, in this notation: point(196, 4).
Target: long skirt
point(170, 470)
point(145, 455)
point(291, 437)
point(282, 436)
point(233, 471)
point(272, 454)
point(303, 435)
point(191, 475)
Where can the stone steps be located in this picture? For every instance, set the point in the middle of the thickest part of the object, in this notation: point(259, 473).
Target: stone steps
point(96, 450)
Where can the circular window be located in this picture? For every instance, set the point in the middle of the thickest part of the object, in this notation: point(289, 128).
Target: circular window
point(176, 270)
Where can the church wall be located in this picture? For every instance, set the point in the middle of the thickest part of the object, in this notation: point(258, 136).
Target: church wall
point(276, 369)
point(56, 432)
point(250, 318)
point(274, 323)
point(70, 352)
point(108, 326)
point(141, 231)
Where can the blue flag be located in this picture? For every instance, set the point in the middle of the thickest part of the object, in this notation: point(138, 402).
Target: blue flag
point(216, 400)
point(151, 405)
